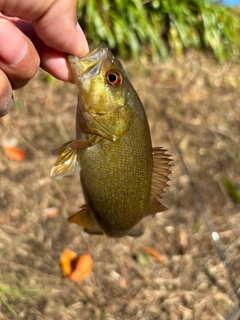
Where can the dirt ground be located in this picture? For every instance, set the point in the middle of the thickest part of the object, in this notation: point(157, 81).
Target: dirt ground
point(202, 101)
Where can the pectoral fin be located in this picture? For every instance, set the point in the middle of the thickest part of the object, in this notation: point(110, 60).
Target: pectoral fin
point(83, 218)
point(68, 163)
point(79, 144)
point(161, 171)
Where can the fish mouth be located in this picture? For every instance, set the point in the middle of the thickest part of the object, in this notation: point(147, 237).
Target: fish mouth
point(96, 54)
point(88, 65)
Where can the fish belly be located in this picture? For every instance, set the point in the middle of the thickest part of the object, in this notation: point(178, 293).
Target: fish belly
point(116, 178)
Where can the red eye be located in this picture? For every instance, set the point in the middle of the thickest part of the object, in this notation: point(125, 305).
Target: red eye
point(114, 78)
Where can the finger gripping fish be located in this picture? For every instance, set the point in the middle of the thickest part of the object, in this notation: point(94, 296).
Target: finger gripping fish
point(122, 175)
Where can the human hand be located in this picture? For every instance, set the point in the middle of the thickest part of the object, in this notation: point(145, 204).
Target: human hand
point(42, 34)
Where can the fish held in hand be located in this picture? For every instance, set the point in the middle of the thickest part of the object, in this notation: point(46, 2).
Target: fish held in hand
point(122, 175)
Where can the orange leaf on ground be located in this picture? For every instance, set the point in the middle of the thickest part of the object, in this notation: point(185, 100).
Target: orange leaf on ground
point(14, 153)
point(154, 253)
point(82, 268)
point(75, 267)
point(66, 260)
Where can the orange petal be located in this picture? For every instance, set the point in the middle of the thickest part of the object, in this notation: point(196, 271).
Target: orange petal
point(154, 253)
point(66, 261)
point(14, 153)
point(83, 267)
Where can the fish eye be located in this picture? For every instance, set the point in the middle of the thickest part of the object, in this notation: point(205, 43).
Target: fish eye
point(114, 78)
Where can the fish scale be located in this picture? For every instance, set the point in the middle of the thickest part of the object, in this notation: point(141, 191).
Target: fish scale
point(106, 183)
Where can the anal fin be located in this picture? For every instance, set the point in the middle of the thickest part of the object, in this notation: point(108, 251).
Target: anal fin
point(83, 218)
point(161, 171)
point(134, 232)
point(94, 230)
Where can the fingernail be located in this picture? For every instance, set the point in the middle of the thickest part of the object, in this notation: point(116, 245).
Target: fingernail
point(13, 46)
point(7, 106)
point(83, 40)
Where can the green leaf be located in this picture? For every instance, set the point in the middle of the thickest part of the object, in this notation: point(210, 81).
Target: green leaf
point(142, 259)
point(231, 189)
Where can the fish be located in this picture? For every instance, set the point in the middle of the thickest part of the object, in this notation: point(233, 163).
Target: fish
point(122, 175)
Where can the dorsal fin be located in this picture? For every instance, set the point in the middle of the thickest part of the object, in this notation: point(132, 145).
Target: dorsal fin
point(161, 171)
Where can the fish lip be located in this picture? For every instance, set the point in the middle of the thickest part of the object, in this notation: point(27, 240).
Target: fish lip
point(81, 66)
point(97, 54)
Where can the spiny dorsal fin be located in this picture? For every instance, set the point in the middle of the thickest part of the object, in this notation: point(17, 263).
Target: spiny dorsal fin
point(161, 171)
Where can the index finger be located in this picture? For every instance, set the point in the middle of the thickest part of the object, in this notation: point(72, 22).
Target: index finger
point(54, 21)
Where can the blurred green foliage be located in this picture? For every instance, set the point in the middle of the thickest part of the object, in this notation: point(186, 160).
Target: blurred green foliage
point(7, 291)
point(231, 189)
point(158, 28)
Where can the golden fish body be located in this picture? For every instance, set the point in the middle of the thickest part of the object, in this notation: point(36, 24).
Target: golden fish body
point(122, 176)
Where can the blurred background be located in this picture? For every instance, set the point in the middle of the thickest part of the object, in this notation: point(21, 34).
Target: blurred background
point(232, 2)
point(182, 57)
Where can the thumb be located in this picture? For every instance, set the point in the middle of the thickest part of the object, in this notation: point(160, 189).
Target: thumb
point(58, 28)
